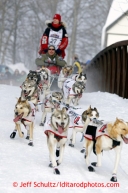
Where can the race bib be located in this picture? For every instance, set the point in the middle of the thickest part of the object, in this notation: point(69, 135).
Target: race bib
point(55, 38)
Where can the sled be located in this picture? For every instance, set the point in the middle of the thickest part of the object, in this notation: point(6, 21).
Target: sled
point(54, 74)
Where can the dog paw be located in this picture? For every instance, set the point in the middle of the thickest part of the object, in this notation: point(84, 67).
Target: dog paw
point(56, 171)
point(71, 145)
point(94, 164)
point(41, 124)
point(57, 162)
point(30, 144)
point(50, 165)
point(91, 169)
point(27, 137)
point(13, 134)
point(82, 150)
point(57, 152)
point(114, 178)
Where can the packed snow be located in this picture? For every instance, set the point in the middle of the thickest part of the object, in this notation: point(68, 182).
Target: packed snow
point(24, 169)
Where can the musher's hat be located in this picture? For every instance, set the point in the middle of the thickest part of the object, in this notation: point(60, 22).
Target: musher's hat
point(57, 16)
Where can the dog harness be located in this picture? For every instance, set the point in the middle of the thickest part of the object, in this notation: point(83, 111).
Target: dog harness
point(75, 117)
point(31, 115)
point(93, 132)
point(67, 87)
point(61, 79)
point(48, 128)
point(43, 84)
point(49, 103)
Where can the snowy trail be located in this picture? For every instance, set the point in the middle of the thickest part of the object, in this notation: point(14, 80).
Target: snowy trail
point(21, 163)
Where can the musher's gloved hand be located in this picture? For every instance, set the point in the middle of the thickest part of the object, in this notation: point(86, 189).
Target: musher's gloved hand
point(48, 60)
point(45, 50)
point(60, 58)
point(58, 51)
point(39, 56)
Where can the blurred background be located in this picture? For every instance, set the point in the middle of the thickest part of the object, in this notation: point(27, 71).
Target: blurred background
point(89, 27)
point(22, 24)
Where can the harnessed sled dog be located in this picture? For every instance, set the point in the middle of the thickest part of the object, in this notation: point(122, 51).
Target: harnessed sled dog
point(74, 87)
point(73, 91)
point(78, 125)
point(30, 91)
point(34, 75)
point(80, 78)
point(52, 102)
point(64, 74)
point(24, 114)
point(57, 131)
point(42, 79)
point(106, 137)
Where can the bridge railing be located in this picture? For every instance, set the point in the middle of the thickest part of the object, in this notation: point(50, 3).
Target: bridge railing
point(108, 70)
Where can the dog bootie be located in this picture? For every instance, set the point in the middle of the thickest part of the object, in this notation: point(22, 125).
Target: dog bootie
point(57, 152)
point(82, 150)
point(56, 171)
point(13, 134)
point(50, 165)
point(30, 143)
point(114, 178)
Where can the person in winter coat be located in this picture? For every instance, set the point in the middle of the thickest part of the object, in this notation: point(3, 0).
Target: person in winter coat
point(55, 34)
point(77, 64)
point(50, 60)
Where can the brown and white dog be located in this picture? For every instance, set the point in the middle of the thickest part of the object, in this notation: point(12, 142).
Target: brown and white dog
point(24, 114)
point(106, 137)
point(64, 74)
point(29, 91)
point(76, 122)
point(57, 130)
point(51, 102)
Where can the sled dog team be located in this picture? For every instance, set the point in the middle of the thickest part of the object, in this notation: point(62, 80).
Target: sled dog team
point(97, 135)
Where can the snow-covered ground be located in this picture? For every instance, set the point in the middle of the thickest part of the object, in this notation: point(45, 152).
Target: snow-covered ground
point(20, 163)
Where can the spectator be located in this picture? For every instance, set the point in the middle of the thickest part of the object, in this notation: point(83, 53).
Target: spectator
point(16, 74)
point(16, 77)
point(76, 64)
point(8, 76)
point(54, 34)
point(22, 77)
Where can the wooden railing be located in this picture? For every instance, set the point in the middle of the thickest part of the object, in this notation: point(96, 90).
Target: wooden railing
point(108, 70)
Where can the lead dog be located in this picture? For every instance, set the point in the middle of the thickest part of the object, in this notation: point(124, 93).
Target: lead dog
point(77, 124)
point(24, 114)
point(106, 137)
point(51, 102)
point(29, 91)
point(57, 131)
